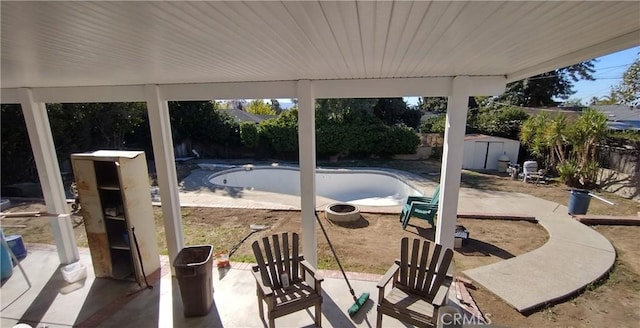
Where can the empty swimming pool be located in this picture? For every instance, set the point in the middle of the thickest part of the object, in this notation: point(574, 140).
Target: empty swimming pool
point(354, 186)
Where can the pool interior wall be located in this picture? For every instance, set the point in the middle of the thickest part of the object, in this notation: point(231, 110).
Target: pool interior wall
point(354, 186)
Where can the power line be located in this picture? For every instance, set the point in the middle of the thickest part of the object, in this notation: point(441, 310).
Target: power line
point(598, 72)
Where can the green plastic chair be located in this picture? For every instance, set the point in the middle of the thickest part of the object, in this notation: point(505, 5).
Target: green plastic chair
point(425, 209)
point(423, 199)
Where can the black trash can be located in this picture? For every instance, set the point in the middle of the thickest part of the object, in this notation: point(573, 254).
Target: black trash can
point(193, 267)
point(579, 201)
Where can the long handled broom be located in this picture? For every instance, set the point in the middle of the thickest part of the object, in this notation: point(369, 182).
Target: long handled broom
point(359, 301)
point(254, 228)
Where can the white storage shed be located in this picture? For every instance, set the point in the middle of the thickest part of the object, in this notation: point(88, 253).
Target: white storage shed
point(482, 152)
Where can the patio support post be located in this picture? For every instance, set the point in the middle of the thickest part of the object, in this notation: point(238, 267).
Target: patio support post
point(452, 160)
point(164, 159)
point(307, 150)
point(44, 153)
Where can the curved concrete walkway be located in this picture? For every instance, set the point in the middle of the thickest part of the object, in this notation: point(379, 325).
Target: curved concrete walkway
point(574, 256)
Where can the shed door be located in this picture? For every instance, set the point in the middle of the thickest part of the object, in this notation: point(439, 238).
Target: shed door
point(494, 152)
point(480, 154)
point(486, 154)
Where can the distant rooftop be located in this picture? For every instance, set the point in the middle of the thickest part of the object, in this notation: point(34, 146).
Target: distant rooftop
point(620, 117)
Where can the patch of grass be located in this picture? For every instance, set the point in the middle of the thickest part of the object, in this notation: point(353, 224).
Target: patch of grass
point(243, 258)
point(550, 313)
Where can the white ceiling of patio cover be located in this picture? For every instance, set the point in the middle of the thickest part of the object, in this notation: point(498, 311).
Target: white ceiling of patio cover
point(121, 43)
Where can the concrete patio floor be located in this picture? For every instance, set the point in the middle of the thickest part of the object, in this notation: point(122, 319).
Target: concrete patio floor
point(52, 302)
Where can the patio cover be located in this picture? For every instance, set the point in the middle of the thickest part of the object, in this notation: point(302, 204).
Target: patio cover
point(161, 51)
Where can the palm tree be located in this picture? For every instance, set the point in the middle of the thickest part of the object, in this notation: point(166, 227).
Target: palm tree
point(570, 148)
point(556, 137)
point(531, 134)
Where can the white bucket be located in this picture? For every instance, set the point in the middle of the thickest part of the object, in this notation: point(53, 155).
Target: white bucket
point(73, 272)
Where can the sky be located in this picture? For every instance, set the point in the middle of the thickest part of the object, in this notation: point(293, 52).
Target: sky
point(609, 71)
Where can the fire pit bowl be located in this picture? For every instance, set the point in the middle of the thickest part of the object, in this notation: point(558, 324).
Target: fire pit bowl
point(342, 213)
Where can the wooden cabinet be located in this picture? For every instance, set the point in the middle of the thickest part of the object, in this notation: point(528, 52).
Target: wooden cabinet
point(115, 200)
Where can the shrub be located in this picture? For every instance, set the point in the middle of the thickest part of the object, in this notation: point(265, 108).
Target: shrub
point(572, 146)
point(398, 140)
point(501, 122)
point(434, 124)
point(569, 172)
point(358, 133)
point(281, 133)
point(249, 135)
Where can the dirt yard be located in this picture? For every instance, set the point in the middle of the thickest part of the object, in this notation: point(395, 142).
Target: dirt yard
point(369, 245)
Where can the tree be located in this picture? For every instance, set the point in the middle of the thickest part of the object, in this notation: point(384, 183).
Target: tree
point(249, 135)
point(203, 122)
point(275, 106)
point(439, 104)
point(532, 135)
point(570, 146)
point(223, 104)
point(114, 121)
point(18, 163)
point(433, 104)
point(573, 102)
point(504, 121)
point(345, 108)
point(75, 127)
point(394, 111)
point(629, 89)
point(540, 90)
point(259, 107)
point(434, 124)
point(238, 104)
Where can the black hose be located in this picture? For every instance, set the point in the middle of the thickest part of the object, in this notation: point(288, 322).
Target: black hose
point(135, 241)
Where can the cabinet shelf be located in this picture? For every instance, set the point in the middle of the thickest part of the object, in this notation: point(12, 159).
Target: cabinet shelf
point(116, 218)
point(114, 210)
point(120, 246)
point(109, 187)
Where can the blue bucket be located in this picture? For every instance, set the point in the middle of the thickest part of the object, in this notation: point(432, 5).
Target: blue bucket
point(579, 202)
point(6, 266)
point(17, 246)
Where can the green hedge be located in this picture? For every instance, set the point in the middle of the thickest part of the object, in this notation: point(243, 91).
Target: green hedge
point(281, 133)
point(365, 136)
point(249, 135)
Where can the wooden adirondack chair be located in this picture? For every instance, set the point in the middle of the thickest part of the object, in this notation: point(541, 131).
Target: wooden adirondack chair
point(276, 260)
point(419, 285)
point(425, 210)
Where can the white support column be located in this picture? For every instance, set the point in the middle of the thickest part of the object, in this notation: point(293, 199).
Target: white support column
point(307, 148)
point(164, 159)
point(44, 153)
point(452, 160)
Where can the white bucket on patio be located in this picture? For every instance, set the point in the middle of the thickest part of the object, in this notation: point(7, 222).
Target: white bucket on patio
point(73, 272)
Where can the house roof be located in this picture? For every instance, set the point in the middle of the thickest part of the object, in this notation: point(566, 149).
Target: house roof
point(620, 117)
point(619, 112)
point(58, 44)
point(477, 137)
